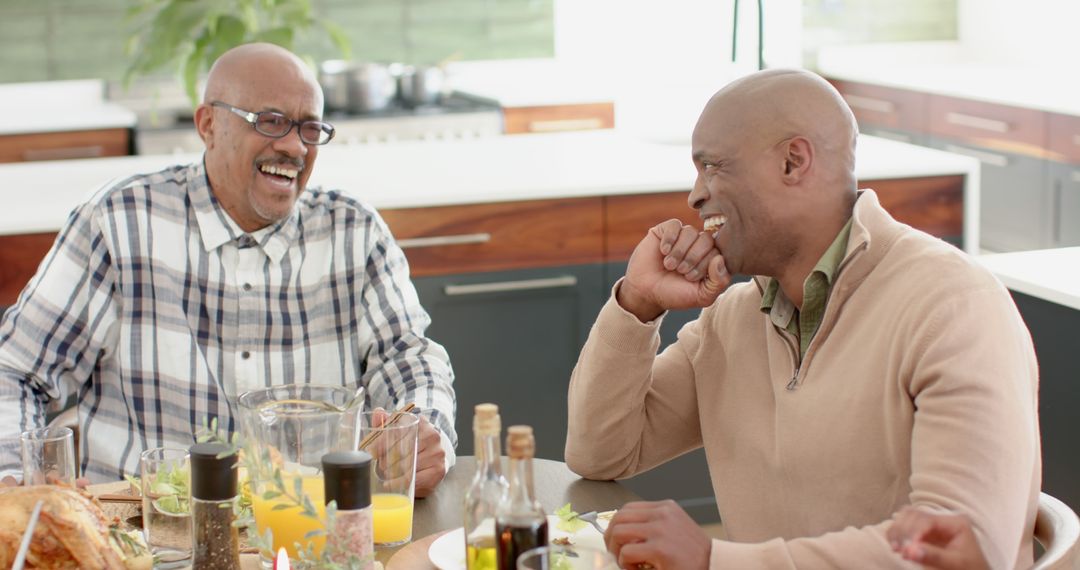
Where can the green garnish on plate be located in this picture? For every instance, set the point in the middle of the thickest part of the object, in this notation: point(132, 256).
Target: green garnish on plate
point(568, 520)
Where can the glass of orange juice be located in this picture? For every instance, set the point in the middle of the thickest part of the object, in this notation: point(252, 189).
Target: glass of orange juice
point(391, 441)
point(289, 428)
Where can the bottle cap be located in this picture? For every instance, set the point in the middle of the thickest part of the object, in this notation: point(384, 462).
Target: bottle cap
point(520, 443)
point(213, 478)
point(347, 479)
point(487, 420)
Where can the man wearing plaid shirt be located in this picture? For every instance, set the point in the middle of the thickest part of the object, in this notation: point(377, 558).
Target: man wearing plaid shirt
point(168, 294)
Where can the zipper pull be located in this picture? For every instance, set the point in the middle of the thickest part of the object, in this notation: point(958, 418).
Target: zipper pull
point(794, 380)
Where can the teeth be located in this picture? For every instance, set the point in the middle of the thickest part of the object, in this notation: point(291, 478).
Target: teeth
point(272, 169)
point(715, 222)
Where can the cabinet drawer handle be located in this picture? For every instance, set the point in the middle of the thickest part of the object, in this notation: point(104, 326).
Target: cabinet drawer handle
point(92, 151)
point(565, 125)
point(436, 241)
point(503, 286)
point(1075, 175)
point(983, 156)
point(981, 123)
point(870, 104)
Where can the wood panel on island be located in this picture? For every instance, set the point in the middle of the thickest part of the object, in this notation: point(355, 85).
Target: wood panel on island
point(557, 118)
point(65, 145)
point(499, 236)
point(933, 204)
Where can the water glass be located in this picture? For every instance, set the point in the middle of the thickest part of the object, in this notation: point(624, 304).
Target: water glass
point(569, 557)
point(392, 442)
point(166, 500)
point(48, 456)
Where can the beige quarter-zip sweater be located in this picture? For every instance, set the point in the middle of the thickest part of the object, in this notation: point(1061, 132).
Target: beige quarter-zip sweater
point(920, 387)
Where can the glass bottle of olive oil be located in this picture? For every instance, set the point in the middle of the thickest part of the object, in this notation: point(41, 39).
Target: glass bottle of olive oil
point(486, 491)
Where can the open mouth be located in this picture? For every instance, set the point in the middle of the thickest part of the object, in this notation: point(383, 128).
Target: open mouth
point(714, 223)
point(279, 174)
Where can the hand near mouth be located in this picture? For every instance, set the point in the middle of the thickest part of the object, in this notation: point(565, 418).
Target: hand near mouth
point(675, 266)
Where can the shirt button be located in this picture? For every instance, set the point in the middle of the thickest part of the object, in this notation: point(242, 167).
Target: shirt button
point(245, 355)
point(247, 286)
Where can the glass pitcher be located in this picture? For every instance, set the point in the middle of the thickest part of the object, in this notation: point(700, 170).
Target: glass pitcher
point(289, 428)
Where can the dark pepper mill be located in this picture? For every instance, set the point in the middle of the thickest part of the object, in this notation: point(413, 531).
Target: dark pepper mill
point(215, 541)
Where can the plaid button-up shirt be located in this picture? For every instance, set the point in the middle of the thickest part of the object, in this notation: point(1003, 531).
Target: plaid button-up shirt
point(155, 310)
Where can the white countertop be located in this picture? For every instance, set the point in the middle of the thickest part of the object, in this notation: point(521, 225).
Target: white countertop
point(1049, 274)
point(953, 69)
point(53, 106)
point(493, 169)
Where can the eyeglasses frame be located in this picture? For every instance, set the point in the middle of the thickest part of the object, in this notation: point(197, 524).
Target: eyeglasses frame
point(252, 117)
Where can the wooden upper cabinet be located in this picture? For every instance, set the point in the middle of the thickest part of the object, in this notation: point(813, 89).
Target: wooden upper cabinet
point(499, 236)
point(555, 118)
point(887, 107)
point(64, 145)
point(1001, 127)
point(1063, 137)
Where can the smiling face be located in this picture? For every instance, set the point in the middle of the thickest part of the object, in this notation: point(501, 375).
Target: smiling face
point(774, 154)
point(738, 191)
point(256, 178)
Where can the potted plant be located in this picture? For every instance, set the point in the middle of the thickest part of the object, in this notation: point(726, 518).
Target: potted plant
point(192, 34)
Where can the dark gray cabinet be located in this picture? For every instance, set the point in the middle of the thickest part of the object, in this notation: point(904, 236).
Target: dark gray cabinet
point(1016, 206)
point(1066, 204)
point(513, 338)
point(1053, 331)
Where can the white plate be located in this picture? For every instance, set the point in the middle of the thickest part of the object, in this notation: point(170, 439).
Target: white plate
point(448, 551)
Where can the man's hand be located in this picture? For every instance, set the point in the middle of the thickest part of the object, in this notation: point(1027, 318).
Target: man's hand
point(659, 534)
point(430, 456)
point(430, 459)
point(674, 267)
point(937, 541)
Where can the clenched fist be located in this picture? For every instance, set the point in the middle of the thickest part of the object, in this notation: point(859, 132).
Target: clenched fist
point(675, 266)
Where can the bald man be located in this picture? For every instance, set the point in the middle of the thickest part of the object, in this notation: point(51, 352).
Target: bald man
point(168, 294)
point(866, 365)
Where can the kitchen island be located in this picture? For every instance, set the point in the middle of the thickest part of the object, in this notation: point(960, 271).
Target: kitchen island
point(1046, 287)
point(512, 230)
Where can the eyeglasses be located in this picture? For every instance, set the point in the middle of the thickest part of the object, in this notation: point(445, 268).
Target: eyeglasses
point(275, 125)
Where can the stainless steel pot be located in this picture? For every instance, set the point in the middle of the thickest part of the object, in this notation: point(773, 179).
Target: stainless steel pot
point(421, 85)
point(333, 81)
point(371, 87)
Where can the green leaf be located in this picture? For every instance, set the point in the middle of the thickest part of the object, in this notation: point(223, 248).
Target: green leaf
point(338, 37)
point(568, 520)
point(270, 495)
point(279, 36)
point(190, 76)
point(281, 507)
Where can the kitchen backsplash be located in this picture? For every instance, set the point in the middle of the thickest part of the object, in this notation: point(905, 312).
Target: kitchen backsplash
point(76, 39)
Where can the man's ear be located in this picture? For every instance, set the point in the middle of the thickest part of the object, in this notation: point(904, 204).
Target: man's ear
point(798, 157)
point(204, 123)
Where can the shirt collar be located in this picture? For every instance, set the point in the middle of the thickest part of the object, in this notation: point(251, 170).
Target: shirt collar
point(828, 266)
point(217, 228)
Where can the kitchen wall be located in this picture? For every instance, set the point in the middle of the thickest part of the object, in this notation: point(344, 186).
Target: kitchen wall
point(1038, 33)
point(75, 39)
point(832, 22)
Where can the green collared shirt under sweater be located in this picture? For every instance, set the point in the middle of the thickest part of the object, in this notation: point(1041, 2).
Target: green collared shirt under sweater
point(804, 323)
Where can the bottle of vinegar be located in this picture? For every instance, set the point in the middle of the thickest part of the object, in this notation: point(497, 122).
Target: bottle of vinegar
point(486, 491)
point(520, 522)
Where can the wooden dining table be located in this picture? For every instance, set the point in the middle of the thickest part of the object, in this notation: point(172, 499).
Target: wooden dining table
point(442, 511)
